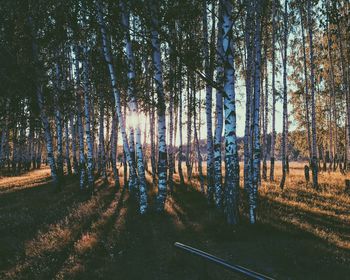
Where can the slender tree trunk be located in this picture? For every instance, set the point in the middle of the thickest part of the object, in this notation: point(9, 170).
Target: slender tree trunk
point(199, 156)
point(68, 163)
point(43, 116)
point(58, 122)
point(248, 80)
point(182, 180)
point(125, 169)
point(152, 136)
point(208, 109)
point(82, 165)
point(39, 151)
point(266, 118)
point(285, 116)
point(313, 103)
point(332, 106)
point(171, 126)
point(171, 141)
point(101, 143)
point(273, 135)
point(156, 58)
point(189, 130)
point(231, 155)
point(306, 91)
point(132, 183)
point(114, 147)
point(74, 146)
point(346, 86)
point(4, 135)
point(256, 135)
point(88, 131)
point(219, 117)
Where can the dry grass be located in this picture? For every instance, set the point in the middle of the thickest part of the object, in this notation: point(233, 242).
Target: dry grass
point(324, 213)
point(301, 233)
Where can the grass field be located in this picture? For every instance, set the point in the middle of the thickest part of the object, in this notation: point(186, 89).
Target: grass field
point(301, 233)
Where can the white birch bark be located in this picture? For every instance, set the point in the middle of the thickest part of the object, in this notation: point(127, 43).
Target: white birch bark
point(180, 152)
point(67, 156)
point(273, 135)
point(231, 154)
point(158, 79)
point(208, 109)
point(58, 121)
point(314, 166)
point(74, 143)
point(248, 110)
point(82, 165)
point(219, 117)
point(306, 91)
point(87, 111)
point(114, 145)
point(101, 142)
point(256, 114)
point(43, 116)
point(285, 101)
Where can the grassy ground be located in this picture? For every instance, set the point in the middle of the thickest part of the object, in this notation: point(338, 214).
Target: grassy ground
point(301, 234)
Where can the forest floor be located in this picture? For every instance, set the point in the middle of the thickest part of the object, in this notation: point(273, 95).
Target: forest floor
point(301, 233)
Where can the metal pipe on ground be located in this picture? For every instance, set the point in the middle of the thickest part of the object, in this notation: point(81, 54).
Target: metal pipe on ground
point(236, 268)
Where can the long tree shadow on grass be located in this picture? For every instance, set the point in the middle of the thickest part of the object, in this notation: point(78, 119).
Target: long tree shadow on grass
point(43, 223)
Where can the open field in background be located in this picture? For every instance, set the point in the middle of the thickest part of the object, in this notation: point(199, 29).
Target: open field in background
point(301, 233)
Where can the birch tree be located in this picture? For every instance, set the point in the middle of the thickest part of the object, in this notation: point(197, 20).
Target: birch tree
point(231, 154)
point(314, 166)
point(158, 80)
point(43, 115)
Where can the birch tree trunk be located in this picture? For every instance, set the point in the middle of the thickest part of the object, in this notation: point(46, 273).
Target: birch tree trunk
point(87, 111)
point(273, 135)
point(131, 180)
point(199, 156)
point(314, 166)
point(219, 116)
point(345, 88)
point(114, 147)
point(231, 155)
point(306, 91)
point(256, 114)
point(332, 105)
point(43, 116)
point(156, 58)
point(189, 131)
point(285, 116)
point(248, 113)
point(152, 136)
point(4, 135)
point(82, 166)
point(208, 109)
point(74, 145)
point(58, 122)
point(182, 180)
point(101, 142)
point(266, 120)
point(68, 163)
point(171, 119)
